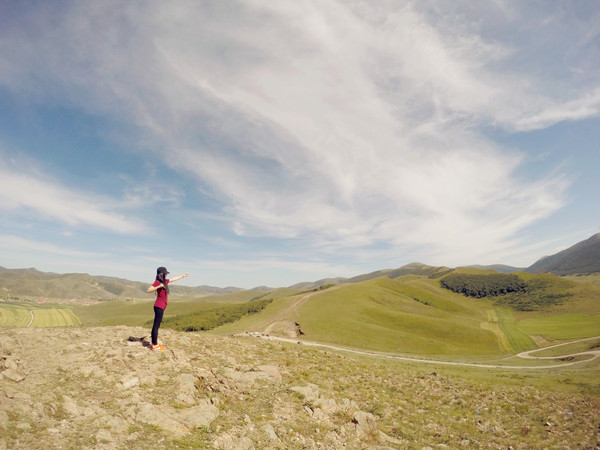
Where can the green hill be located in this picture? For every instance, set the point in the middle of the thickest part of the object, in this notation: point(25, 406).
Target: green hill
point(415, 315)
point(404, 316)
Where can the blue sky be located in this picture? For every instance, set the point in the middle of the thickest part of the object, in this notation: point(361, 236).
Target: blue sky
point(268, 143)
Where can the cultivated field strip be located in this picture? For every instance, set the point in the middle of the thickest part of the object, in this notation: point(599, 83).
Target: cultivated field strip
point(14, 316)
point(54, 318)
point(21, 316)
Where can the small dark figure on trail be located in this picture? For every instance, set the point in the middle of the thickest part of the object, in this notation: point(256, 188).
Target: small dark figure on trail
point(161, 287)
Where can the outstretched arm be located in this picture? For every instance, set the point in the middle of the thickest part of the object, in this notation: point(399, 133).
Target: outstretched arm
point(179, 277)
point(152, 289)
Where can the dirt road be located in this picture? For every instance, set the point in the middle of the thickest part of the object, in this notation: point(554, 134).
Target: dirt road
point(281, 318)
point(525, 355)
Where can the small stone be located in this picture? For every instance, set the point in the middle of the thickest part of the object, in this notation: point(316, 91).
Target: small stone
point(128, 382)
point(270, 432)
point(365, 422)
point(103, 436)
point(197, 416)
point(70, 406)
point(11, 362)
point(14, 375)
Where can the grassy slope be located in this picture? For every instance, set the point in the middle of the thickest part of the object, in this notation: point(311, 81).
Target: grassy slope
point(590, 279)
point(139, 312)
point(414, 315)
point(578, 317)
point(406, 315)
point(257, 322)
point(135, 313)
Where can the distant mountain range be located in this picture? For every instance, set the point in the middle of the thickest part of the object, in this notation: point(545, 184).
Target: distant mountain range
point(409, 269)
point(582, 258)
point(31, 283)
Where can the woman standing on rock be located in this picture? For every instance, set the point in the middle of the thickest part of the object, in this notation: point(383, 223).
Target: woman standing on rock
point(161, 287)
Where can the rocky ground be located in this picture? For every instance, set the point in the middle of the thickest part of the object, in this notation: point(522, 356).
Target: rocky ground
point(96, 388)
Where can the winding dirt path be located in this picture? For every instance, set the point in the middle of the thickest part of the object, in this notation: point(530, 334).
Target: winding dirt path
point(595, 353)
point(525, 355)
point(283, 315)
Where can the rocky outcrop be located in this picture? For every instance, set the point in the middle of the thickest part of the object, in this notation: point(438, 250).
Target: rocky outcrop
point(100, 388)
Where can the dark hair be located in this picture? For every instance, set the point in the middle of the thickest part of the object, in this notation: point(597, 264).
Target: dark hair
point(162, 277)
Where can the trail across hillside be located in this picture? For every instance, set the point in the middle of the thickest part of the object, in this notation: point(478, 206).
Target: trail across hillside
point(595, 353)
point(281, 318)
point(525, 355)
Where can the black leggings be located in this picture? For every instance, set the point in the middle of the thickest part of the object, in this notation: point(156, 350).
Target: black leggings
point(158, 316)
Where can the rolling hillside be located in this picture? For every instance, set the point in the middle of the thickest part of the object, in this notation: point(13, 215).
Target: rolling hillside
point(410, 314)
point(405, 316)
point(415, 315)
point(409, 269)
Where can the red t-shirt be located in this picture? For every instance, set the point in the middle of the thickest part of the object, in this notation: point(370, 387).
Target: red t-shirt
point(161, 295)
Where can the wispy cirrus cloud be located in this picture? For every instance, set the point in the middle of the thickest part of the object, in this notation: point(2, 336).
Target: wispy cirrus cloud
point(581, 108)
point(35, 197)
point(14, 244)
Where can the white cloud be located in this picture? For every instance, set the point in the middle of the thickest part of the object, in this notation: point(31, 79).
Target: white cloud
point(581, 108)
point(12, 243)
point(36, 197)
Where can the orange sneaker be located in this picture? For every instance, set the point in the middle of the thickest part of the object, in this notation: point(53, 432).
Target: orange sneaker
point(157, 347)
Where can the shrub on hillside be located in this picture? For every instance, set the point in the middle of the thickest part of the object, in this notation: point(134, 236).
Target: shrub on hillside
point(538, 294)
point(323, 287)
point(488, 285)
point(508, 290)
point(207, 320)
